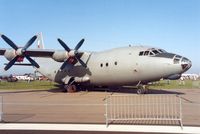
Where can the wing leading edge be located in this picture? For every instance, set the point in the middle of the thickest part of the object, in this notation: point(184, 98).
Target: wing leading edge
point(40, 53)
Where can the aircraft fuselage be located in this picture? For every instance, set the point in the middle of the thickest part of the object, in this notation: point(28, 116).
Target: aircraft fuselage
point(120, 66)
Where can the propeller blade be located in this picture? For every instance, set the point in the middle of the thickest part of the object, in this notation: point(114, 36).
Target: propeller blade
point(79, 44)
point(63, 65)
point(7, 40)
point(64, 45)
point(32, 61)
point(30, 42)
point(11, 63)
point(74, 55)
point(81, 62)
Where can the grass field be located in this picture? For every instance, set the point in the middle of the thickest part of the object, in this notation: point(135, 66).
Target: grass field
point(176, 84)
point(163, 84)
point(26, 85)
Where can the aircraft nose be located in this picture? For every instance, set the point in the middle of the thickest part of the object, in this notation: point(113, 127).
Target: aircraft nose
point(185, 64)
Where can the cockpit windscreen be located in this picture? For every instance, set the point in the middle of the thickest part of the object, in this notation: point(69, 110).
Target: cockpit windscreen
point(151, 52)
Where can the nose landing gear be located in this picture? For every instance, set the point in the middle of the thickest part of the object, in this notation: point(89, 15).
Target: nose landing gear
point(142, 89)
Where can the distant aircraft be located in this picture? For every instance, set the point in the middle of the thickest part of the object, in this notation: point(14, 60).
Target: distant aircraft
point(24, 77)
point(8, 78)
point(189, 76)
point(126, 66)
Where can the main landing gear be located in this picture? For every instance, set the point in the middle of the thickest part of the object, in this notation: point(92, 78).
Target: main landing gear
point(142, 89)
point(70, 88)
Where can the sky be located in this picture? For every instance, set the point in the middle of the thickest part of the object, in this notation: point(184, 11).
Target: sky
point(173, 25)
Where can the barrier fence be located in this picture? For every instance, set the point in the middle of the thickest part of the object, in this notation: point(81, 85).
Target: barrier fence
point(143, 107)
point(121, 108)
point(1, 108)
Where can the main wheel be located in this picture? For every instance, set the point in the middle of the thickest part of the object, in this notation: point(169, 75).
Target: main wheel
point(71, 88)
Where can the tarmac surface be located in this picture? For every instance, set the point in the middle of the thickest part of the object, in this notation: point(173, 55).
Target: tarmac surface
point(54, 106)
point(64, 132)
point(92, 128)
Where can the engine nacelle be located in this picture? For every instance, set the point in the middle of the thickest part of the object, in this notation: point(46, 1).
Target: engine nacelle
point(9, 54)
point(60, 56)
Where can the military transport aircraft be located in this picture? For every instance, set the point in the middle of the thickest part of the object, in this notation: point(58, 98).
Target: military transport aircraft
point(126, 66)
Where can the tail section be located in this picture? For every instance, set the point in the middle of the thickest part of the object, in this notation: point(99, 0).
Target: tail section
point(40, 42)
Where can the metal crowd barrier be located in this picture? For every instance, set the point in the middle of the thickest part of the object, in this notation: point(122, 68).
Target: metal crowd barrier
point(1, 108)
point(143, 107)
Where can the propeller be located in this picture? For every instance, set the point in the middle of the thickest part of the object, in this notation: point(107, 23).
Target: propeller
point(73, 53)
point(20, 52)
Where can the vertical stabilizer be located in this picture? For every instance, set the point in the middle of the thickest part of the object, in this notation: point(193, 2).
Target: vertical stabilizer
point(40, 42)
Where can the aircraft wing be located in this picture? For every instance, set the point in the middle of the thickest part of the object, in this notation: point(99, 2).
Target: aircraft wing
point(40, 53)
point(35, 52)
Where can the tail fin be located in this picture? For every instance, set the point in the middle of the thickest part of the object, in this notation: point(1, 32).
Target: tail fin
point(40, 42)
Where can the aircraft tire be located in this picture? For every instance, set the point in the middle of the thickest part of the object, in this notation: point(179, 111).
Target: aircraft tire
point(146, 91)
point(71, 89)
point(140, 91)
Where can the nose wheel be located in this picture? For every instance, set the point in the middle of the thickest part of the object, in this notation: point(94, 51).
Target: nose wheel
point(142, 89)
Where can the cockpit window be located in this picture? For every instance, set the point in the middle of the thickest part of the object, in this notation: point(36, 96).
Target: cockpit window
point(184, 59)
point(177, 59)
point(155, 51)
point(178, 56)
point(141, 53)
point(151, 51)
point(161, 50)
point(146, 52)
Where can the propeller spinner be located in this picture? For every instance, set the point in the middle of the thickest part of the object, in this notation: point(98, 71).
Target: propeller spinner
point(73, 53)
point(20, 52)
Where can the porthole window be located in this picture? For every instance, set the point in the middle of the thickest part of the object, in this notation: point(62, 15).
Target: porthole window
point(101, 65)
point(106, 64)
point(115, 62)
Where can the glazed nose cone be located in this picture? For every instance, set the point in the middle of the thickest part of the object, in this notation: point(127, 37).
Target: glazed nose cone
point(185, 64)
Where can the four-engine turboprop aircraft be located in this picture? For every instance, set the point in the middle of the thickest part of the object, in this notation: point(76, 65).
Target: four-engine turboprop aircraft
point(132, 65)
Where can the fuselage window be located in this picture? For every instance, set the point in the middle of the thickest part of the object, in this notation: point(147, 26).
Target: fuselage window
point(106, 64)
point(141, 53)
point(115, 62)
point(101, 65)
